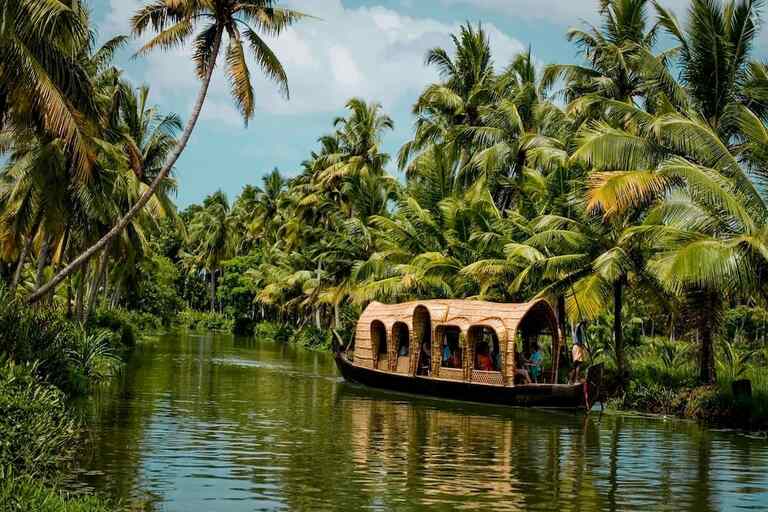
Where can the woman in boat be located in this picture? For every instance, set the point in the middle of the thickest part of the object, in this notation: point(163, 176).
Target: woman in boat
point(535, 362)
point(520, 371)
point(447, 354)
point(484, 361)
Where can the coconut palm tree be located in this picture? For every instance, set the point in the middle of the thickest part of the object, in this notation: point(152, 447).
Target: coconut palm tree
point(208, 24)
point(613, 55)
point(267, 206)
point(714, 52)
point(444, 108)
point(709, 210)
point(357, 144)
point(212, 237)
point(44, 86)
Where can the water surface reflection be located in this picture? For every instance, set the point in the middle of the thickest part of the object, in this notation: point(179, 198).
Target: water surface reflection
point(212, 423)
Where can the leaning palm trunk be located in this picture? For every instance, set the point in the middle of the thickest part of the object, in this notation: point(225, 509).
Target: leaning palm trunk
point(147, 195)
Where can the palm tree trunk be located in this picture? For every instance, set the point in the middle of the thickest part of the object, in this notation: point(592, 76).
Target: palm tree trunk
point(42, 260)
point(145, 197)
point(69, 297)
point(98, 277)
point(336, 315)
point(618, 334)
point(318, 323)
point(80, 294)
point(25, 252)
point(20, 265)
point(213, 291)
point(561, 315)
point(707, 364)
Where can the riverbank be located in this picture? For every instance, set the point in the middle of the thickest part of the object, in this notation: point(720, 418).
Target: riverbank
point(663, 379)
point(46, 362)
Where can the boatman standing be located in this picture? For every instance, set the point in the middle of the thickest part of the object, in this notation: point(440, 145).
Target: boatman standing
point(579, 352)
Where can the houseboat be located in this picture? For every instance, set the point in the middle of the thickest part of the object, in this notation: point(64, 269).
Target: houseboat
point(465, 350)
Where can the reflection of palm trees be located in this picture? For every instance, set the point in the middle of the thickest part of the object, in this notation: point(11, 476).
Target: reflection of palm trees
point(703, 500)
point(614, 464)
point(291, 435)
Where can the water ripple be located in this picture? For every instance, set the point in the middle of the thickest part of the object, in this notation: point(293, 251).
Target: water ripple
point(256, 426)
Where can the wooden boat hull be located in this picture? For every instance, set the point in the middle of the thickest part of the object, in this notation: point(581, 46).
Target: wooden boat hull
point(560, 396)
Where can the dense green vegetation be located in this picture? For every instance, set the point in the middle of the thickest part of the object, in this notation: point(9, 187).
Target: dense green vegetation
point(84, 190)
point(628, 188)
point(46, 361)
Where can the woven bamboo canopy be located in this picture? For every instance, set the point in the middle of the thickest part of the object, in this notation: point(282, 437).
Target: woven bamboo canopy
point(388, 337)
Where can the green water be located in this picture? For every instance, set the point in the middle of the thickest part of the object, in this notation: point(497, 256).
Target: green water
point(200, 423)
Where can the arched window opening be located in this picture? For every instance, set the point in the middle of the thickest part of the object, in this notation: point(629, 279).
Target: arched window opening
point(402, 341)
point(451, 355)
point(422, 329)
point(379, 345)
point(535, 341)
point(485, 343)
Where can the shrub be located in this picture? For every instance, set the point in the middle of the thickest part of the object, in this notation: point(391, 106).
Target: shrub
point(24, 493)
point(92, 356)
point(744, 323)
point(653, 398)
point(204, 321)
point(36, 431)
point(117, 321)
point(312, 337)
point(273, 331)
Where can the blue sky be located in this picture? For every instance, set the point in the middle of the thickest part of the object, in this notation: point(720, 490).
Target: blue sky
point(372, 49)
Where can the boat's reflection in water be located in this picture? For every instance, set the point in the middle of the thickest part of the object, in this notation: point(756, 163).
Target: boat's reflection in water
point(431, 453)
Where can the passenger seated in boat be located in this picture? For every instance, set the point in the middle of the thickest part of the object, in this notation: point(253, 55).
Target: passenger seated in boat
point(425, 360)
point(451, 350)
point(484, 361)
point(535, 361)
point(455, 360)
point(520, 372)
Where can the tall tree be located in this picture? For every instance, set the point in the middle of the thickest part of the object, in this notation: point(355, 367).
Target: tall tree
point(176, 21)
point(211, 237)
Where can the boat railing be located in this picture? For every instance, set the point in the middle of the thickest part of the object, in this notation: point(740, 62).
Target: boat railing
point(488, 377)
point(451, 373)
point(382, 363)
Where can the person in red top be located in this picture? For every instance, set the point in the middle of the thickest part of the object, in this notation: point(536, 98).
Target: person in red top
point(484, 361)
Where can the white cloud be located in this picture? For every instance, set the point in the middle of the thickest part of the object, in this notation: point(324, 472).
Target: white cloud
point(372, 52)
point(561, 12)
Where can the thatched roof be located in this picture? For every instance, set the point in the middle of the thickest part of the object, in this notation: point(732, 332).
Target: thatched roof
point(504, 319)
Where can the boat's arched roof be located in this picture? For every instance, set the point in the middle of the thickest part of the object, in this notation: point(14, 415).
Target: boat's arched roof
point(463, 313)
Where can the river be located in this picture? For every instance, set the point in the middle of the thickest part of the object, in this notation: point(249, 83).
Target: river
point(213, 422)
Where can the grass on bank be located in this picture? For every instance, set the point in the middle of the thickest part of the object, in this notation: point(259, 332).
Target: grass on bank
point(46, 360)
point(25, 493)
point(664, 381)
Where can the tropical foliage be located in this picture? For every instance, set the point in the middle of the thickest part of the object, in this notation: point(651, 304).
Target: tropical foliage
point(627, 187)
